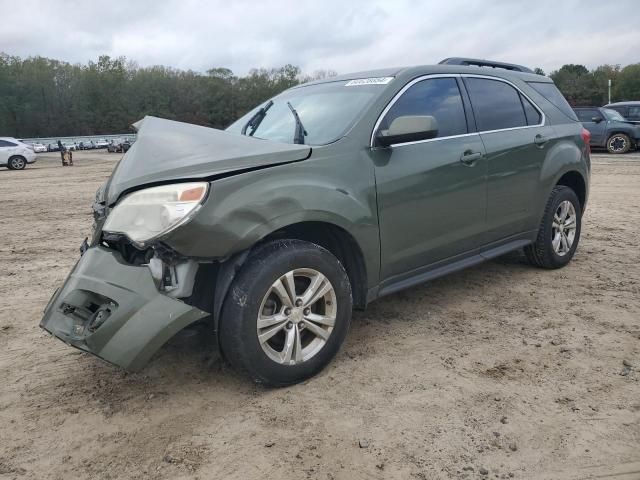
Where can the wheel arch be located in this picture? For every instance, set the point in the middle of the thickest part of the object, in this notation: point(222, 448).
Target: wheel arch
point(214, 279)
point(340, 243)
point(575, 181)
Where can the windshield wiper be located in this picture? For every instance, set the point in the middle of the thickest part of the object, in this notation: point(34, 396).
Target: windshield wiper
point(254, 122)
point(300, 131)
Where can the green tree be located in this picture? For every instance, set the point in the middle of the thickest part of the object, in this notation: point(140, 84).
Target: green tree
point(626, 85)
point(577, 84)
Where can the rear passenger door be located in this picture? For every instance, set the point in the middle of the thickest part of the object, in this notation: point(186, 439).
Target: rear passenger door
point(516, 143)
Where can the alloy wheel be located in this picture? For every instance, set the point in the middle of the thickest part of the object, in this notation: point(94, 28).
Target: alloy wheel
point(296, 316)
point(17, 163)
point(617, 144)
point(564, 226)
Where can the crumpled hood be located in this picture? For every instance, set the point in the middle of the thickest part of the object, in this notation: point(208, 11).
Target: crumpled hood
point(166, 150)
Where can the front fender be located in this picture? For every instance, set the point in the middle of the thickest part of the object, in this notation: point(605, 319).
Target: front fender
point(245, 208)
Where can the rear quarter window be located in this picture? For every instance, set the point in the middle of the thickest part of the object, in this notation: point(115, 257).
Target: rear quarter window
point(553, 95)
point(4, 143)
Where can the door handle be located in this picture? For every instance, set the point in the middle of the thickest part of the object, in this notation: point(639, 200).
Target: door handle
point(469, 158)
point(540, 140)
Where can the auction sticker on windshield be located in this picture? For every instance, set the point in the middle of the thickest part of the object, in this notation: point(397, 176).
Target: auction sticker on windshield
point(368, 81)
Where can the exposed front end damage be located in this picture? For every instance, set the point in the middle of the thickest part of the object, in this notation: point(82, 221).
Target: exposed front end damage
point(121, 312)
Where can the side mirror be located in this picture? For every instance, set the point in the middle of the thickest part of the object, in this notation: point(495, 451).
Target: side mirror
point(596, 119)
point(408, 128)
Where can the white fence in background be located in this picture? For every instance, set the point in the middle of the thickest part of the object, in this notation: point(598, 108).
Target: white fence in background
point(78, 139)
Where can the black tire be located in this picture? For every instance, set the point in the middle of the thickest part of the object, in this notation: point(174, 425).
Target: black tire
point(238, 331)
point(541, 253)
point(618, 143)
point(17, 163)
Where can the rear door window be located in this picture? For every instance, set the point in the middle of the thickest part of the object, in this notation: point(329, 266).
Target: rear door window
point(496, 104)
point(553, 95)
point(436, 97)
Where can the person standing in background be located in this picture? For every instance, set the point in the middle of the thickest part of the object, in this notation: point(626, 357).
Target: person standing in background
point(65, 154)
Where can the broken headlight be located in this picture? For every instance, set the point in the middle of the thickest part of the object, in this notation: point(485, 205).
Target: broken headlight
point(153, 212)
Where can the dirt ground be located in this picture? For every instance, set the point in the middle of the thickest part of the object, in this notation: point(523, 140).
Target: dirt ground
point(499, 371)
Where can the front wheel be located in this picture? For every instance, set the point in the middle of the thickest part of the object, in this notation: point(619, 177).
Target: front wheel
point(286, 313)
point(618, 143)
point(559, 231)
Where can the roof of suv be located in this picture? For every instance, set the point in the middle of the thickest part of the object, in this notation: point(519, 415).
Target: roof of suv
point(631, 102)
point(417, 71)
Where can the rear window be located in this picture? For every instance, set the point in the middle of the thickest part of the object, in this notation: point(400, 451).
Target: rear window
point(4, 143)
point(551, 93)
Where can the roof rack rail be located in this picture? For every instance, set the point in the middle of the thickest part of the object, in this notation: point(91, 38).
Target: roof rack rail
point(484, 63)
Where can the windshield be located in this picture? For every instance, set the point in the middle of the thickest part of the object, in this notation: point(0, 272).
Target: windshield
point(327, 111)
point(612, 115)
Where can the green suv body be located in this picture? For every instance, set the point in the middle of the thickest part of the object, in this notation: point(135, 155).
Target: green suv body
point(325, 198)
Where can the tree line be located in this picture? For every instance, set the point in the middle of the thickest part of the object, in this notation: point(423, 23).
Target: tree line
point(42, 97)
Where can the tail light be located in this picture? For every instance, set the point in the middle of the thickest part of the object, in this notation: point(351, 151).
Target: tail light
point(586, 136)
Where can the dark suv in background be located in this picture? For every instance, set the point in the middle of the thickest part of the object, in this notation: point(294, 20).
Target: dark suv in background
point(629, 110)
point(328, 196)
point(609, 129)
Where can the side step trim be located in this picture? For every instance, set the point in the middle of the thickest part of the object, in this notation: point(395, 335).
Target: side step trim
point(429, 273)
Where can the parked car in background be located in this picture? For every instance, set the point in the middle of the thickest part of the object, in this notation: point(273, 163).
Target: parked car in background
point(101, 143)
point(118, 145)
point(609, 129)
point(629, 110)
point(86, 145)
point(326, 197)
point(53, 147)
point(14, 154)
point(39, 148)
point(70, 146)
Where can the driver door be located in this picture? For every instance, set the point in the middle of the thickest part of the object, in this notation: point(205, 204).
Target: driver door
point(597, 128)
point(431, 193)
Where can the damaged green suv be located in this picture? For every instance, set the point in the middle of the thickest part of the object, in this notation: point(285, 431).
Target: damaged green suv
point(323, 199)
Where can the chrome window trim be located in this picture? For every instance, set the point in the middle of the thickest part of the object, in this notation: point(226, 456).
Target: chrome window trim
point(395, 98)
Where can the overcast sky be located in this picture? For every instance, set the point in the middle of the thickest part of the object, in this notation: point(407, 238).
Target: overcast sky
point(341, 35)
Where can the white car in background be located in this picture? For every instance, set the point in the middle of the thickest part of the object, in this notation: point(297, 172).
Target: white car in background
point(14, 154)
point(39, 148)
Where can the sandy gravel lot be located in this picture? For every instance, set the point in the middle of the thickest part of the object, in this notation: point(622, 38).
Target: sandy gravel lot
point(499, 371)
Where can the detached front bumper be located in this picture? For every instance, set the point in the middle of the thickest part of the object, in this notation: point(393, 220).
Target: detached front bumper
point(114, 310)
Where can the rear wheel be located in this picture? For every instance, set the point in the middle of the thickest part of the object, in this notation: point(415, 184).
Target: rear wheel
point(286, 313)
point(17, 163)
point(559, 231)
point(618, 143)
